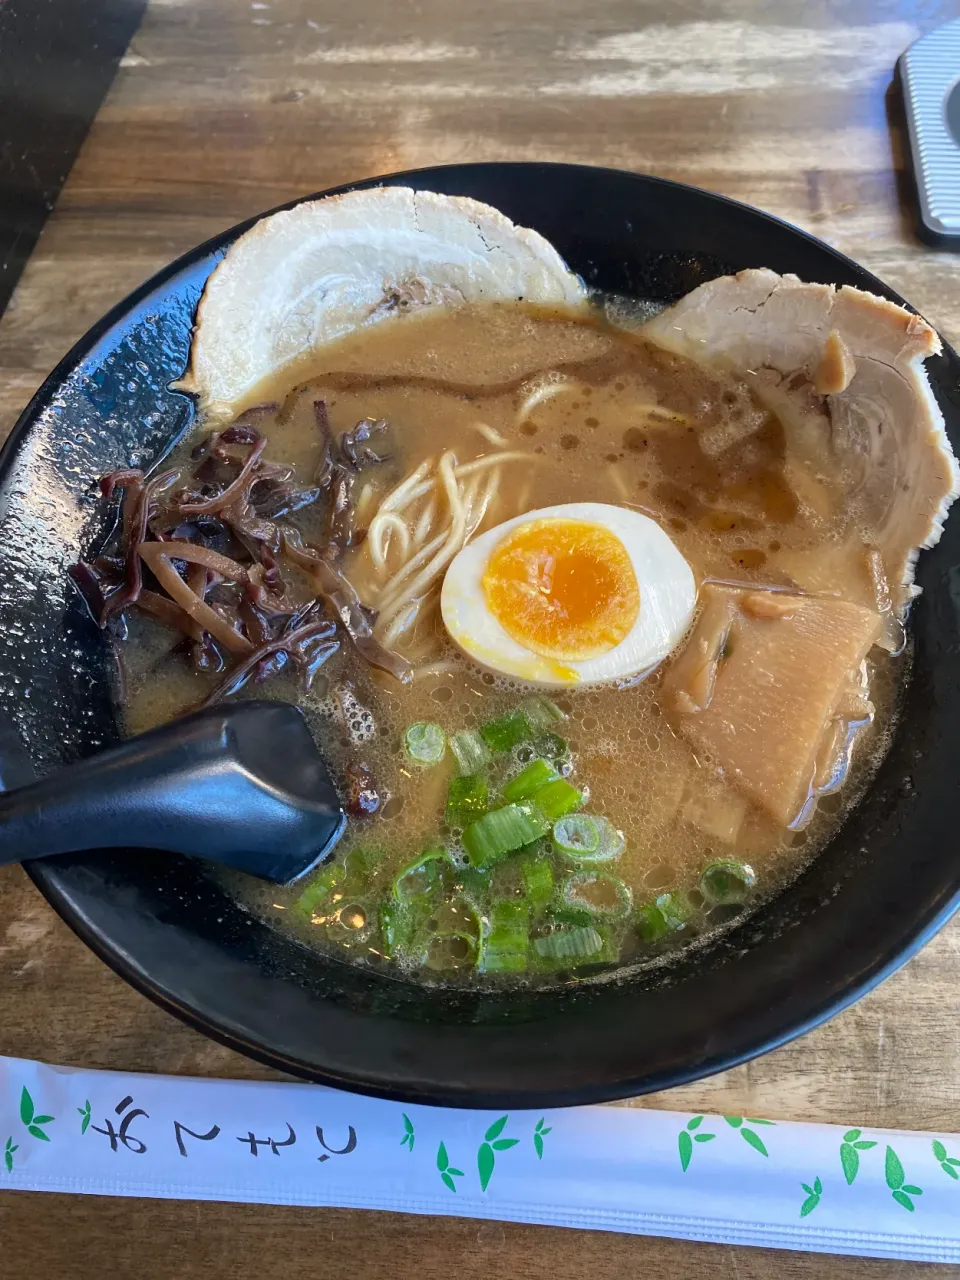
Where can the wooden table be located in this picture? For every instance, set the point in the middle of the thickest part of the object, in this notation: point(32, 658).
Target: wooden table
point(226, 107)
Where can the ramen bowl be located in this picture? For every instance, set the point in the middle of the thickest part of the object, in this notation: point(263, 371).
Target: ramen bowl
point(876, 893)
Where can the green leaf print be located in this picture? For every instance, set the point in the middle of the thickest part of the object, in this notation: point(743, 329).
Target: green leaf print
point(496, 1128)
point(9, 1148)
point(30, 1118)
point(685, 1141)
point(447, 1171)
point(408, 1135)
point(486, 1157)
point(734, 1121)
point(85, 1116)
point(813, 1197)
point(850, 1150)
point(485, 1164)
point(850, 1161)
point(754, 1141)
point(893, 1170)
point(896, 1181)
point(539, 1133)
point(948, 1164)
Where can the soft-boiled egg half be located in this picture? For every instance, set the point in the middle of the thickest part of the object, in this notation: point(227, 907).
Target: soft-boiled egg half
point(585, 592)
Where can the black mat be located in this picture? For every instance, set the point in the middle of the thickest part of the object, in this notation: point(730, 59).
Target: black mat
point(57, 60)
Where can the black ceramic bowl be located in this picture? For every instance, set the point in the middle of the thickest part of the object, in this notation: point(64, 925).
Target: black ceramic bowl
point(888, 880)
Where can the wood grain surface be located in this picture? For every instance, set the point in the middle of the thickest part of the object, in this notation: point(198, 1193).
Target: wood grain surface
point(226, 107)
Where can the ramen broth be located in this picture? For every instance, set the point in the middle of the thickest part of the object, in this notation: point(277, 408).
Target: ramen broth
point(585, 412)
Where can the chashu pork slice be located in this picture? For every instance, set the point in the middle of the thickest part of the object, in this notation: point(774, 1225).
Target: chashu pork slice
point(843, 370)
point(304, 277)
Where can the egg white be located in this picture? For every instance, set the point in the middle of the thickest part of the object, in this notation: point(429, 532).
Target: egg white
point(668, 597)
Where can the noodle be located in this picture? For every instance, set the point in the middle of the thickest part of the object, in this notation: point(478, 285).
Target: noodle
point(454, 541)
point(425, 523)
point(383, 524)
point(489, 433)
point(544, 392)
point(428, 518)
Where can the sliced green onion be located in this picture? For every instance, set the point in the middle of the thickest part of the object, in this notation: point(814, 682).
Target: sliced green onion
point(553, 746)
point(610, 953)
point(474, 883)
point(602, 894)
point(451, 938)
point(393, 921)
point(467, 799)
point(727, 881)
point(541, 712)
point(666, 914)
point(506, 731)
point(360, 866)
point(470, 751)
point(425, 742)
point(430, 872)
point(322, 889)
point(557, 799)
point(529, 780)
point(577, 836)
point(569, 944)
point(505, 946)
point(502, 831)
point(587, 840)
point(450, 951)
point(578, 916)
point(538, 882)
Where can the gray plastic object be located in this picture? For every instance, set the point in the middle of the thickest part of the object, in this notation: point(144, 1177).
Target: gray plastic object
point(930, 78)
point(242, 785)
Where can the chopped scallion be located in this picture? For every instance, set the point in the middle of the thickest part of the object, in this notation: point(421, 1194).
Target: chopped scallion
point(557, 799)
point(727, 881)
point(576, 843)
point(425, 742)
point(450, 951)
point(427, 874)
point(505, 946)
point(602, 894)
point(322, 889)
point(541, 712)
point(467, 798)
point(538, 882)
point(529, 780)
point(451, 937)
point(470, 751)
point(666, 914)
point(569, 944)
point(506, 731)
point(360, 866)
point(563, 914)
point(577, 836)
point(502, 831)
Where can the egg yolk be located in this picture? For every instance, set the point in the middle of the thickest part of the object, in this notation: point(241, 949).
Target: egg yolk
point(562, 588)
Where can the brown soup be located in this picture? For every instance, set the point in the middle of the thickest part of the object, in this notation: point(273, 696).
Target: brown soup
point(582, 411)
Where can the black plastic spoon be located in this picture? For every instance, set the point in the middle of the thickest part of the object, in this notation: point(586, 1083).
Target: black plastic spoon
point(243, 785)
